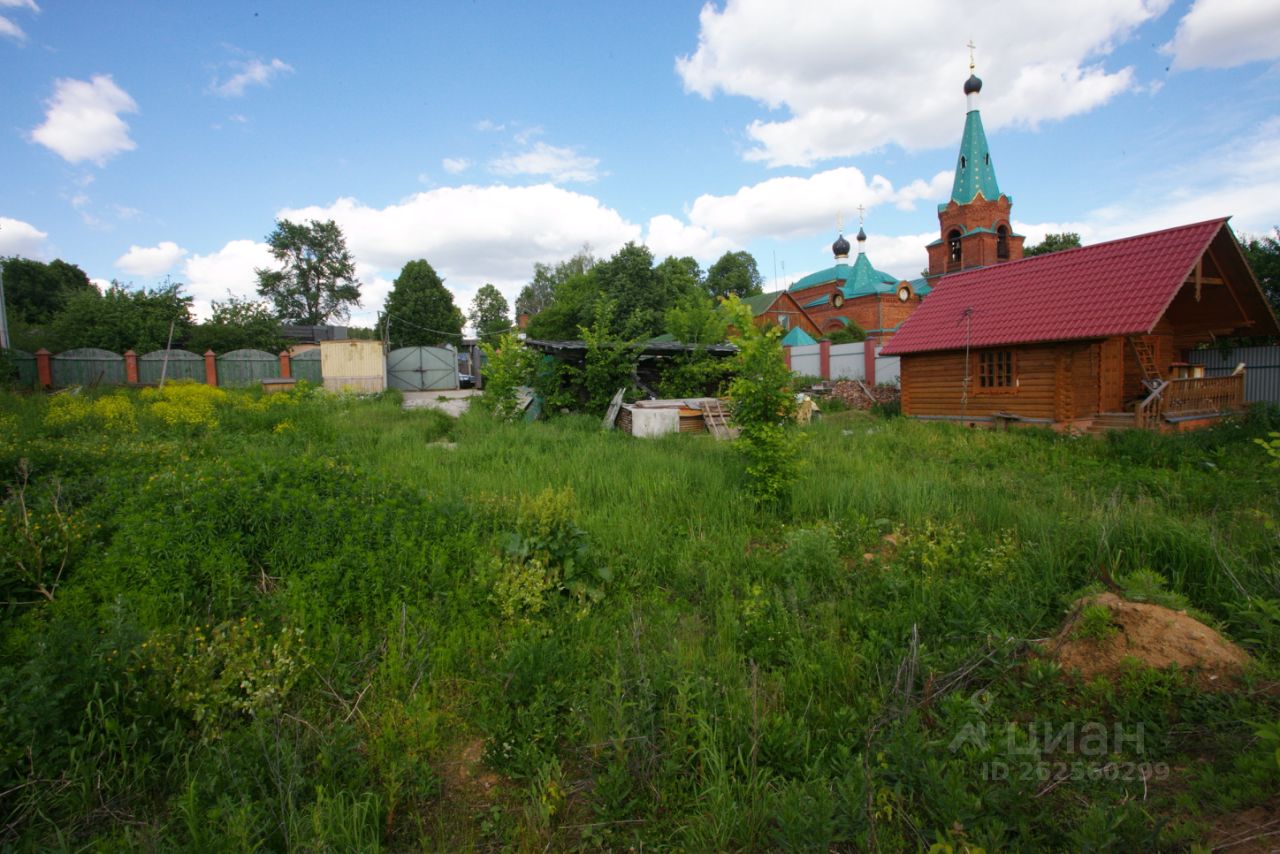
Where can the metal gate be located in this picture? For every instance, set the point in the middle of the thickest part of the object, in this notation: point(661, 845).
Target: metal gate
point(422, 368)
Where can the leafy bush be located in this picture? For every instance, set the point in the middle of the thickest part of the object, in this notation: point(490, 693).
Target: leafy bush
point(764, 408)
point(509, 366)
point(185, 404)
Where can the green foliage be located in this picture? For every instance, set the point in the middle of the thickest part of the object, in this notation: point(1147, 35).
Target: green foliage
point(697, 319)
point(1053, 243)
point(122, 319)
point(238, 324)
point(1094, 623)
point(509, 366)
point(419, 311)
point(34, 292)
point(694, 374)
point(734, 273)
point(1263, 253)
point(489, 313)
point(615, 652)
point(764, 408)
point(851, 334)
point(1272, 446)
point(610, 362)
point(543, 289)
point(316, 280)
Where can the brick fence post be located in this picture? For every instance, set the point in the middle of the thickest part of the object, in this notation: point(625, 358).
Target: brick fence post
point(284, 364)
point(130, 367)
point(786, 357)
point(210, 368)
point(824, 359)
point(869, 360)
point(44, 368)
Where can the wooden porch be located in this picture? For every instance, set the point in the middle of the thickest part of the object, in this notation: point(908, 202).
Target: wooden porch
point(1177, 400)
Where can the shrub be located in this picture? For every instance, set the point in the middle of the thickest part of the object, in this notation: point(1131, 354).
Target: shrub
point(510, 366)
point(185, 403)
point(764, 408)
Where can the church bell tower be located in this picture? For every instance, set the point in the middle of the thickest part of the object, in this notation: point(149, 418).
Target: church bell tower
point(975, 222)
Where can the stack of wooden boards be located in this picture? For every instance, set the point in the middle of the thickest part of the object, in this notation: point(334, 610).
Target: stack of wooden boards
point(648, 418)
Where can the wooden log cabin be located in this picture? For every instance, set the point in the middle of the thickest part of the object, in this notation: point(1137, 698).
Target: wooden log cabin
point(1087, 338)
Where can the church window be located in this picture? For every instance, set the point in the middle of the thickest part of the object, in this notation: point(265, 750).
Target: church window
point(962, 161)
point(1002, 243)
point(953, 242)
point(986, 158)
point(995, 370)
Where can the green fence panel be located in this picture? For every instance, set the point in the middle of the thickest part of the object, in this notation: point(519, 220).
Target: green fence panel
point(23, 365)
point(306, 366)
point(247, 367)
point(183, 365)
point(88, 366)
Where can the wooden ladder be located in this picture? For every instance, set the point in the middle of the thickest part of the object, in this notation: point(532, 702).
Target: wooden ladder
point(1147, 359)
point(717, 420)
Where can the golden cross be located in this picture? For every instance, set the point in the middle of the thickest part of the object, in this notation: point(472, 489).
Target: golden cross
point(971, 46)
point(862, 212)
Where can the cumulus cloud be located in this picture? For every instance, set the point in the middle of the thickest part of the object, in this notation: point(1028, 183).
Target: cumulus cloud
point(454, 165)
point(892, 74)
point(21, 238)
point(1224, 34)
point(227, 272)
point(151, 260)
point(548, 161)
point(254, 72)
point(667, 235)
point(83, 121)
point(790, 207)
point(20, 4)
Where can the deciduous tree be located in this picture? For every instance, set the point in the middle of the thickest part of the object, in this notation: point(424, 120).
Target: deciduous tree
point(123, 319)
point(238, 324)
point(489, 313)
point(734, 273)
point(1053, 243)
point(317, 278)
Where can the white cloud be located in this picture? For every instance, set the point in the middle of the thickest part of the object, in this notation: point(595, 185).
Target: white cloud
point(454, 165)
point(667, 235)
point(489, 125)
point(12, 30)
point(21, 238)
point(555, 163)
point(792, 206)
point(472, 235)
point(1226, 33)
point(83, 120)
point(228, 271)
point(255, 72)
point(893, 73)
point(20, 4)
point(151, 260)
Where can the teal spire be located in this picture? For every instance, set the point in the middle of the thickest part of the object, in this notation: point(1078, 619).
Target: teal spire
point(974, 171)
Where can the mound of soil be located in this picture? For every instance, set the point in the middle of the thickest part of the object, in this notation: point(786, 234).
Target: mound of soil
point(1155, 636)
point(855, 395)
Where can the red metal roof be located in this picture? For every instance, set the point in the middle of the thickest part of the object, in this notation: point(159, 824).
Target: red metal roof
point(1117, 288)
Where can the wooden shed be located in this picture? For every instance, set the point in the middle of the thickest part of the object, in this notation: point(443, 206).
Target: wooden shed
point(1086, 338)
point(353, 365)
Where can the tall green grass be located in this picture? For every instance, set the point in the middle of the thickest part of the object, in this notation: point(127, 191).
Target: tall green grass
point(725, 677)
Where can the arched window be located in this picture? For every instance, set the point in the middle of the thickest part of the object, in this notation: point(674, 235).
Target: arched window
point(953, 242)
point(963, 162)
point(1002, 243)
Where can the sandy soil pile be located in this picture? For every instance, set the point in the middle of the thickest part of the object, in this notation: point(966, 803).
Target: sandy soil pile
point(1156, 636)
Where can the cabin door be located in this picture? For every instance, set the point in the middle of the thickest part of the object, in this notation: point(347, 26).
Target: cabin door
point(1111, 376)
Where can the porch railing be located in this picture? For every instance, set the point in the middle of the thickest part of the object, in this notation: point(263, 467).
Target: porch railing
point(1198, 396)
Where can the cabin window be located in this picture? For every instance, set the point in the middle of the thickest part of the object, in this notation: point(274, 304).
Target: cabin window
point(953, 241)
point(1002, 243)
point(995, 370)
point(784, 320)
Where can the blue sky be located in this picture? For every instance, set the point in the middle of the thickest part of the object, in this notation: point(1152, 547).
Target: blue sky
point(146, 139)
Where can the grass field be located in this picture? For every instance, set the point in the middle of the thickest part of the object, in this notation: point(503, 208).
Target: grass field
point(315, 623)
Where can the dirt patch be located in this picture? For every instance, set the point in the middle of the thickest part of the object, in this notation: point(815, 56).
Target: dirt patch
point(1251, 831)
point(464, 776)
point(1156, 636)
point(856, 395)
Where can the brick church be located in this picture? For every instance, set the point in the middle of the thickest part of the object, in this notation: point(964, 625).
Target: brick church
point(975, 232)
